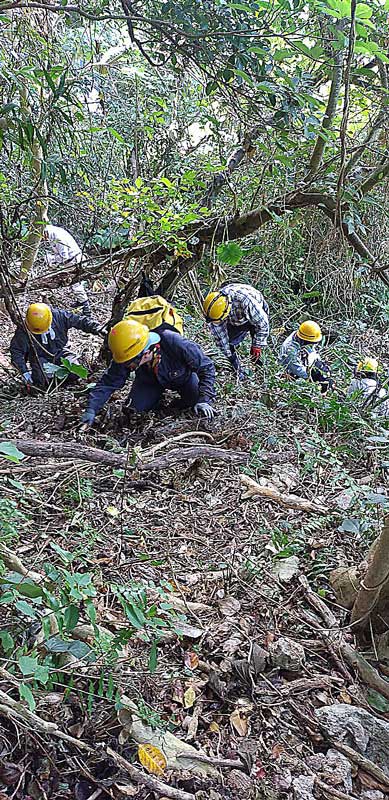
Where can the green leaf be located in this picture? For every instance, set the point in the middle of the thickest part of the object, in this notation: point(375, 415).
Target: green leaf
point(139, 183)
point(363, 11)
point(244, 76)
point(41, 674)
point(26, 694)
point(280, 55)
point(230, 253)
point(71, 617)
point(153, 657)
point(9, 451)
point(377, 701)
point(25, 608)
point(117, 135)
point(91, 612)
point(25, 586)
point(6, 641)
point(27, 665)
point(135, 615)
point(75, 369)
point(78, 649)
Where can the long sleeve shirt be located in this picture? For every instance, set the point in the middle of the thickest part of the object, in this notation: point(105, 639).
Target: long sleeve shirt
point(297, 358)
point(48, 347)
point(179, 358)
point(370, 395)
point(247, 307)
point(64, 249)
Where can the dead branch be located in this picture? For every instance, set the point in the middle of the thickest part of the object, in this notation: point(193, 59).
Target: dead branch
point(361, 761)
point(287, 500)
point(335, 637)
point(79, 452)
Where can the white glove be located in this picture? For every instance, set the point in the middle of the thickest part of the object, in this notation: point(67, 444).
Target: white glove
point(204, 408)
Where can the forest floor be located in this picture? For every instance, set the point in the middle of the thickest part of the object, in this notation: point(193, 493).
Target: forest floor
point(216, 600)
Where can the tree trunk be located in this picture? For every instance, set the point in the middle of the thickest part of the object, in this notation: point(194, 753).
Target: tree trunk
point(31, 245)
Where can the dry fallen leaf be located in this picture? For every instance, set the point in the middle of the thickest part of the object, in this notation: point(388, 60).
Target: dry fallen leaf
point(178, 692)
point(112, 511)
point(189, 697)
point(344, 696)
point(229, 606)
point(191, 659)
point(214, 727)
point(152, 759)
point(239, 721)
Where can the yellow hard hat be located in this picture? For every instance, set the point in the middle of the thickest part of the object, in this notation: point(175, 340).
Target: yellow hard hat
point(38, 318)
point(127, 340)
point(216, 307)
point(309, 331)
point(367, 365)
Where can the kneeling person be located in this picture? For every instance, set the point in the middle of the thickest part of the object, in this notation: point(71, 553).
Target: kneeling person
point(160, 361)
point(234, 311)
point(367, 383)
point(301, 359)
point(46, 342)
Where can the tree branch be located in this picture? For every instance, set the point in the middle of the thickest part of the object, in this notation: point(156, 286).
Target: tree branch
point(336, 83)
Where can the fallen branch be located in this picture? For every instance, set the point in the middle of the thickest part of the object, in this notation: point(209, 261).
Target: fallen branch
point(80, 452)
point(14, 563)
point(363, 762)
point(287, 500)
point(335, 637)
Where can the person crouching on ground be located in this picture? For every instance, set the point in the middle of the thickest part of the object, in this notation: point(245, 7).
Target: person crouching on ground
point(160, 361)
point(301, 359)
point(44, 341)
point(234, 311)
point(366, 387)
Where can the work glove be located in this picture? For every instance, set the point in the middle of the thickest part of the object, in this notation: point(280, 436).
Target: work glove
point(205, 409)
point(88, 417)
point(255, 354)
point(27, 377)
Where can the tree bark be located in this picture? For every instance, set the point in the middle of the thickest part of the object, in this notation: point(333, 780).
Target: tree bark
point(330, 112)
point(377, 576)
point(31, 246)
point(77, 451)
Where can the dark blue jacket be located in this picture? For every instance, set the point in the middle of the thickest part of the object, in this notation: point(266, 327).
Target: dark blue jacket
point(22, 350)
point(179, 359)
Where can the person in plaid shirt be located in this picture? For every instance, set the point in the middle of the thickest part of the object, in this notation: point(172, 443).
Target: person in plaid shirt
point(234, 311)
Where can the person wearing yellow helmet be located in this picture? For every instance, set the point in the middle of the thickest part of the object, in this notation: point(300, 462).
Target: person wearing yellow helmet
point(164, 360)
point(43, 340)
point(300, 358)
point(365, 387)
point(232, 312)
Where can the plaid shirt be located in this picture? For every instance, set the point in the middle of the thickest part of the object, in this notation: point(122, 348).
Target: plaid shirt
point(247, 306)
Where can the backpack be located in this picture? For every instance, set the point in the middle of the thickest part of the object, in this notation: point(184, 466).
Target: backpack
point(154, 312)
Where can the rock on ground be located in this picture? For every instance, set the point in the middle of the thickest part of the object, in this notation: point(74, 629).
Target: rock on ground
point(303, 787)
point(358, 729)
point(287, 654)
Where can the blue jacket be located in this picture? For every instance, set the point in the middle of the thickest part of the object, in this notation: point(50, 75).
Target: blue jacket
point(179, 359)
point(47, 348)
